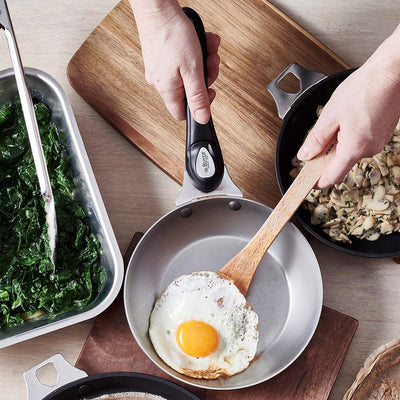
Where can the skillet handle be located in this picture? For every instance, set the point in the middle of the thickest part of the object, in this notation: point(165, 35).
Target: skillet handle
point(66, 374)
point(204, 162)
point(285, 100)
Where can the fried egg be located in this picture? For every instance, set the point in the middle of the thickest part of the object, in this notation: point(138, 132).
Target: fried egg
point(202, 326)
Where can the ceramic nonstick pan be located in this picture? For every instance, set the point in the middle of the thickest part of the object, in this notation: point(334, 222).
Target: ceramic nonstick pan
point(298, 111)
point(74, 384)
point(204, 232)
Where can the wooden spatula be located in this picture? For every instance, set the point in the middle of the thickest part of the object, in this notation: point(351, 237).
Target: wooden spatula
point(243, 266)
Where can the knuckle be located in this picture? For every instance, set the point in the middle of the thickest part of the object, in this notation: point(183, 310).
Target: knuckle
point(315, 140)
point(198, 97)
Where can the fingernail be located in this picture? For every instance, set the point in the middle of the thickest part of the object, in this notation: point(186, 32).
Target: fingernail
point(303, 153)
point(202, 115)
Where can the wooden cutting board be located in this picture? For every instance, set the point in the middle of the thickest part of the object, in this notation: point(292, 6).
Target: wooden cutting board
point(257, 42)
point(110, 347)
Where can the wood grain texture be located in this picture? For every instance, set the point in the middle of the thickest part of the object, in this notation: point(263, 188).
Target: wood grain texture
point(243, 266)
point(110, 347)
point(136, 192)
point(257, 43)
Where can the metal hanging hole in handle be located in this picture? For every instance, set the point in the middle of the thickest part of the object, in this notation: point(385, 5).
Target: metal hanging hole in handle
point(285, 100)
point(66, 374)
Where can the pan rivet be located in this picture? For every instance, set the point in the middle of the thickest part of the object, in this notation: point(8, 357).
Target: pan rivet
point(186, 212)
point(84, 389)
point(234, 205)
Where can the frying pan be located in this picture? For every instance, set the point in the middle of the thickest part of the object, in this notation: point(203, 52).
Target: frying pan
point(298, 111)
point(204, 232)
point(74, 384)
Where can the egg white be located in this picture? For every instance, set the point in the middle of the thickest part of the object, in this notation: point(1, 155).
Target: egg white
point(205, 296)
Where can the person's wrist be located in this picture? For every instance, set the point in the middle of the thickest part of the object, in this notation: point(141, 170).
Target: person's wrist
point(154, 7)
point(154, 15)
point(387, 58)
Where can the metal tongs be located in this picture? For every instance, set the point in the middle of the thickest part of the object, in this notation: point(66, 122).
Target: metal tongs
point(32, 128)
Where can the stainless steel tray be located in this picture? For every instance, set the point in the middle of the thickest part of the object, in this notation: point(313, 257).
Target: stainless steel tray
point(87, 192)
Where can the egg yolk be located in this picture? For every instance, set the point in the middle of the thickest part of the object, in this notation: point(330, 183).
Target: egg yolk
point(196, 338)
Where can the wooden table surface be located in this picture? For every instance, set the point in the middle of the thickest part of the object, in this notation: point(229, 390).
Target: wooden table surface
point(50, 32)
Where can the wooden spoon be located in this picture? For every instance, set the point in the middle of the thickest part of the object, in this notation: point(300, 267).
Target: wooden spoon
point(243, 266)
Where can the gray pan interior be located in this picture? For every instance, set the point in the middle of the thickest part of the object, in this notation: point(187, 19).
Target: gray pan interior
point(286, 292)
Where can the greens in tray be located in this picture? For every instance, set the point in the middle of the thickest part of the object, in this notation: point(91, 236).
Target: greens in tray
point(28, 283)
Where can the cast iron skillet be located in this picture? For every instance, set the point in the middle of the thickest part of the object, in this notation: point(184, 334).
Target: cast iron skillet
point(74, 384)
point(299, 114)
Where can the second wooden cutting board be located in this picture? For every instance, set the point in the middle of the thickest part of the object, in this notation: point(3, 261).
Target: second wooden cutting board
point(257, 43)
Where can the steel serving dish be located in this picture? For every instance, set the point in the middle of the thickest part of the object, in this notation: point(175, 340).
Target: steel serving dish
point(46, 88)
point(298, 111)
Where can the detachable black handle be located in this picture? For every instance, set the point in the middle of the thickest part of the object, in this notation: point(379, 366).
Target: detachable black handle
point(204, 162)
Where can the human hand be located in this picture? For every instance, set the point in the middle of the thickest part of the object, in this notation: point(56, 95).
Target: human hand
point(363, 112)
point(174, 63)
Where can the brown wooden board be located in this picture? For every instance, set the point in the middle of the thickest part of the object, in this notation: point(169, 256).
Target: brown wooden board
point(110, 347)
point(257, 42)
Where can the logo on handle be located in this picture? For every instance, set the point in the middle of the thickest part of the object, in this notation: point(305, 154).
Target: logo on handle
point(205, 166)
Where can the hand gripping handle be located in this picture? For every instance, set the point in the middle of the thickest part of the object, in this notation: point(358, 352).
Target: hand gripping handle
point(204, 162)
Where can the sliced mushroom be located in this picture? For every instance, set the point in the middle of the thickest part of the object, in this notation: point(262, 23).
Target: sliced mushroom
point(343, 238)
point(337, 198)
point(369, 222)
point(387, 211)
point(357, 231)
point(366, 183)
point(380, 162)
point(374, 176)
point(293, 173)
point(386, 228)
point(395, 170)
point(396, 211)
point(331, 223)
point(366, 200)
point(364, 163)
point(391, 189)
point(358, 176)
point(354, 196)
point(320, 214)
point(389, 197)
point(313, 196)
point(342, 187)
point(319, 110)
point(372, 236)
point(377, 205)
point(392, 159)
point(296, 162)
point(348, 181)
point(379, 193)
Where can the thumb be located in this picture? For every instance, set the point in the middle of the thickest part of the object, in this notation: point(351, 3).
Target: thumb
point(318, 137)
point(341, 163)
point(197, 96)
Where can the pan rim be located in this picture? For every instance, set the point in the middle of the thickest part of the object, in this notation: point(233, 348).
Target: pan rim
point(115, 375)
point(182, 378)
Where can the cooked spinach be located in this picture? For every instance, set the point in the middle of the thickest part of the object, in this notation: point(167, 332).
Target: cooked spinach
point(27, 281)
